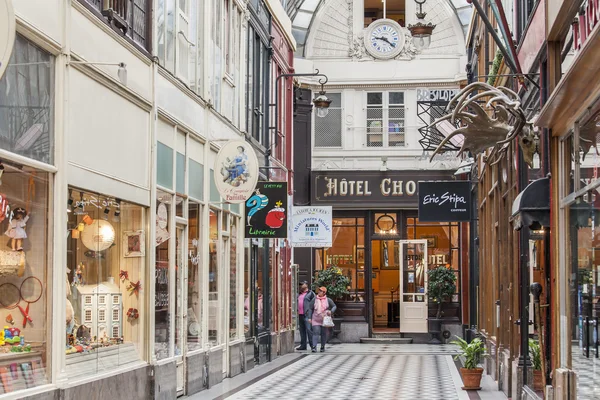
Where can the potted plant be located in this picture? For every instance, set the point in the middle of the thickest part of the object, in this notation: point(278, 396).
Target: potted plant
point(472, 352)
point(441, 285)
point(337, 285)
point(536, 360)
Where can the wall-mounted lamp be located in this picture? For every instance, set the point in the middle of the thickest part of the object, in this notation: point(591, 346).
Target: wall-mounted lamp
point(121, 72)
point(321, 102)
point(106, 212)
point(422, 30)
point(117, 215)
point(383, 167)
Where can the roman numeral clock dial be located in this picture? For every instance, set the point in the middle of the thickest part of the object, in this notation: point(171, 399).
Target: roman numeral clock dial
point(384, 39)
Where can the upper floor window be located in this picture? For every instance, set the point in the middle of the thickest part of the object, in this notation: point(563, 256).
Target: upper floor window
point(258, 63)
point(525, 9)
point(131, 17)
point(385, 119)
point(394, 9)
point(178, 35)
point(328, 130)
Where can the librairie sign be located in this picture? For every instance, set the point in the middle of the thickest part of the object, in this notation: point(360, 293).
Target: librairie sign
point(311, 226)
point(236, 171)
point(7, 33)
point(349, 188)
point(444, 201)
point(266, 211)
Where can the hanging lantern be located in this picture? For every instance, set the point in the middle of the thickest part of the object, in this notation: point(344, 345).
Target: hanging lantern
point(422, 30)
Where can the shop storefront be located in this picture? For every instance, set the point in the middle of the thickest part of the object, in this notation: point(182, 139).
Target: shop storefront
point(385, 251)
point(26, 190)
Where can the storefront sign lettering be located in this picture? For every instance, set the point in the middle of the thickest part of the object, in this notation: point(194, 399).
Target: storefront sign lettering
point(413, 257)
point(342, 188)
point(266, 211)
point(585, 23)
point(444, 201)
point(311, 226)
point(95, 202)
point(436, 94)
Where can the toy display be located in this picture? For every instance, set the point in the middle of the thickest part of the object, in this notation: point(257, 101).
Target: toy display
point(9, 319)
point(133, 313)
point(16, 228)
point(12, 335)
point(78, 275)
point(134, 287)
point(100, 307)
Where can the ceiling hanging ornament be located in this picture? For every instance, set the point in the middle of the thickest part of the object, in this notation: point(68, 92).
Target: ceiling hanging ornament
point(494, 123)
point(422, 30)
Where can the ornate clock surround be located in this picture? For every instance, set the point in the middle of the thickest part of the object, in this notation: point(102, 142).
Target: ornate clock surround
point(401, 39)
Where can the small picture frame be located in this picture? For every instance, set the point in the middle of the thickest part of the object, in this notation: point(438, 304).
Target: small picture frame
point(360, 255)
point(134, 243)
point(432, 240)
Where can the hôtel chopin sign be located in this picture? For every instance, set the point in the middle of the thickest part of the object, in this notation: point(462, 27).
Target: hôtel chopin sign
point(370, 188)
point(7, 33)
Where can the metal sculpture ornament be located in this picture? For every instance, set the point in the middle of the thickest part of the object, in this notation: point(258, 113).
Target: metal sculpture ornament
point(236, 171)
point(494, 123)
point(7, 33)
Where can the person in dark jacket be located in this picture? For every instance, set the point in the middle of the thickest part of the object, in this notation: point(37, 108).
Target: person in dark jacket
point(304, 298)
point(318, 308)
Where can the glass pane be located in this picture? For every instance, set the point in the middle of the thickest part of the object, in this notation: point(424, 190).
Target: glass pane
point(194, 303)
point(180, 174)
point(233, 280)
point(179, 259)
point(374, 98)
point(106, 258)
point(196, 180)
point(164, 170)
point(27, 103)
point(213, 278)
point(170, 36)
point(396, 98)
point(161, 286)
point(413, 269)
point(24, 215)
point(215, 197)
point(247, 266)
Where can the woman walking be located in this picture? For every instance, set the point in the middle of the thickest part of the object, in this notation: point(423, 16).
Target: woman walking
point(318, 308)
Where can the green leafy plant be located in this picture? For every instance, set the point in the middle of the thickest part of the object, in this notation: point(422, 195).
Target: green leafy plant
point(472, 352)
point(535, 354)
point(441, 284)
point(495, 67)
point(334, 280)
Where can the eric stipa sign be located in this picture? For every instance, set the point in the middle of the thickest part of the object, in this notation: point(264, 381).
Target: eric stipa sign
point(444, 201)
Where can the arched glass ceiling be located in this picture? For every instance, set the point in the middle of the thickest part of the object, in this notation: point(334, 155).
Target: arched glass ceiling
point(301, 12)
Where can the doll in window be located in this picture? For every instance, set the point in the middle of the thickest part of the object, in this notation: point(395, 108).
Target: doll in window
point(16, 228)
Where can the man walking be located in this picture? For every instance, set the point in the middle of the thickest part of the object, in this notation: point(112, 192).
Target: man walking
point(304, 298)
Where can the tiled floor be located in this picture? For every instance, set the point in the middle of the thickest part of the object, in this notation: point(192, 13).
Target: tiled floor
point(588, 374)
point(345, 371)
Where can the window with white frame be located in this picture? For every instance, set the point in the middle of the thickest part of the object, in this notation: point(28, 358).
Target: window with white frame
point(328, 129)
point(385, 119)
point(179, 31)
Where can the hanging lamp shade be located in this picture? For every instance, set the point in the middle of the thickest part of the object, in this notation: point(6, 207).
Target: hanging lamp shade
point(422, 30)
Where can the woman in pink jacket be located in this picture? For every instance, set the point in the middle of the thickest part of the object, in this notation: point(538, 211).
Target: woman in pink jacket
point(318, 308)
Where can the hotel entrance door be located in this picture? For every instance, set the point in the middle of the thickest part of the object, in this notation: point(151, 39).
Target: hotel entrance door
point(413, 286)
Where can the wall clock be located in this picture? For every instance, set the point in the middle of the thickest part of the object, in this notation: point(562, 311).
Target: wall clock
point(384, 39)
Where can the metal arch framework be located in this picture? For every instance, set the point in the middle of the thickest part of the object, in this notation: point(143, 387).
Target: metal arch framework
point(302, 13)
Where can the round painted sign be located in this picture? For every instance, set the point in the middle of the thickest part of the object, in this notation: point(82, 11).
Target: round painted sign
point(7, 33)
point(162, 216)
point(236, 171)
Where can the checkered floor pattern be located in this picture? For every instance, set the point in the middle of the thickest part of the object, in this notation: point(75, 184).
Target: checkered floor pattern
point(376, 376)
point(588, 375)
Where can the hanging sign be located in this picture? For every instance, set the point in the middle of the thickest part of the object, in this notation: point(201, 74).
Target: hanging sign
point(266, 211)
point(236, 171)
point(311, 226)
point(444, 201)
point(7, 33)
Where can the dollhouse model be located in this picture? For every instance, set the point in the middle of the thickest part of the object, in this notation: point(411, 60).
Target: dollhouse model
point(100, 308)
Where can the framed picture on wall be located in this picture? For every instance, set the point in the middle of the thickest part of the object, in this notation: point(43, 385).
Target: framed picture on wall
point(432, 240)
point(360, 254)
point(134, 244)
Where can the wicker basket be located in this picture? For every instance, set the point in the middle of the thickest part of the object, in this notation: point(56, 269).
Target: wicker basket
point(12, 263)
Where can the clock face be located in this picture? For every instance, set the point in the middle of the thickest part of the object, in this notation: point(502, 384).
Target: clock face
point(384, 39)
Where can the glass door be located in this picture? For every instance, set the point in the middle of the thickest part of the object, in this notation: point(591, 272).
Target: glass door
point(180, 317)
point(413, 286)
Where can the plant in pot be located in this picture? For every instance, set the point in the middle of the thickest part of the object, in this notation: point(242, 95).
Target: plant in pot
point(337, 285)
point(472, 352)
point(536, 359)
point(441, 285)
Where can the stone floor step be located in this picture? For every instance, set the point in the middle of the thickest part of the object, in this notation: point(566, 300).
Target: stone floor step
point(387, 340)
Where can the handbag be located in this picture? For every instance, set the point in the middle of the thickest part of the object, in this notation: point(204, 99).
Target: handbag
point(328, 321)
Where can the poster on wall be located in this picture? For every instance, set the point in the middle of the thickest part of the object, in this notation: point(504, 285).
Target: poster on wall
point(444, 201)
point(266, 211)
point(7, 33)
point(311, 226)
point(236, 171)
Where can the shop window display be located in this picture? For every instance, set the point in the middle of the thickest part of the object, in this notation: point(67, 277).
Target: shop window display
point(105, 273)
point(161, 279)
point(233, 279)
point(213, 278)
point(24, 277)
point(194, 340)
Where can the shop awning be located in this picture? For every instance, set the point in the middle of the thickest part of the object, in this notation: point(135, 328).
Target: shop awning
point(532, 205)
